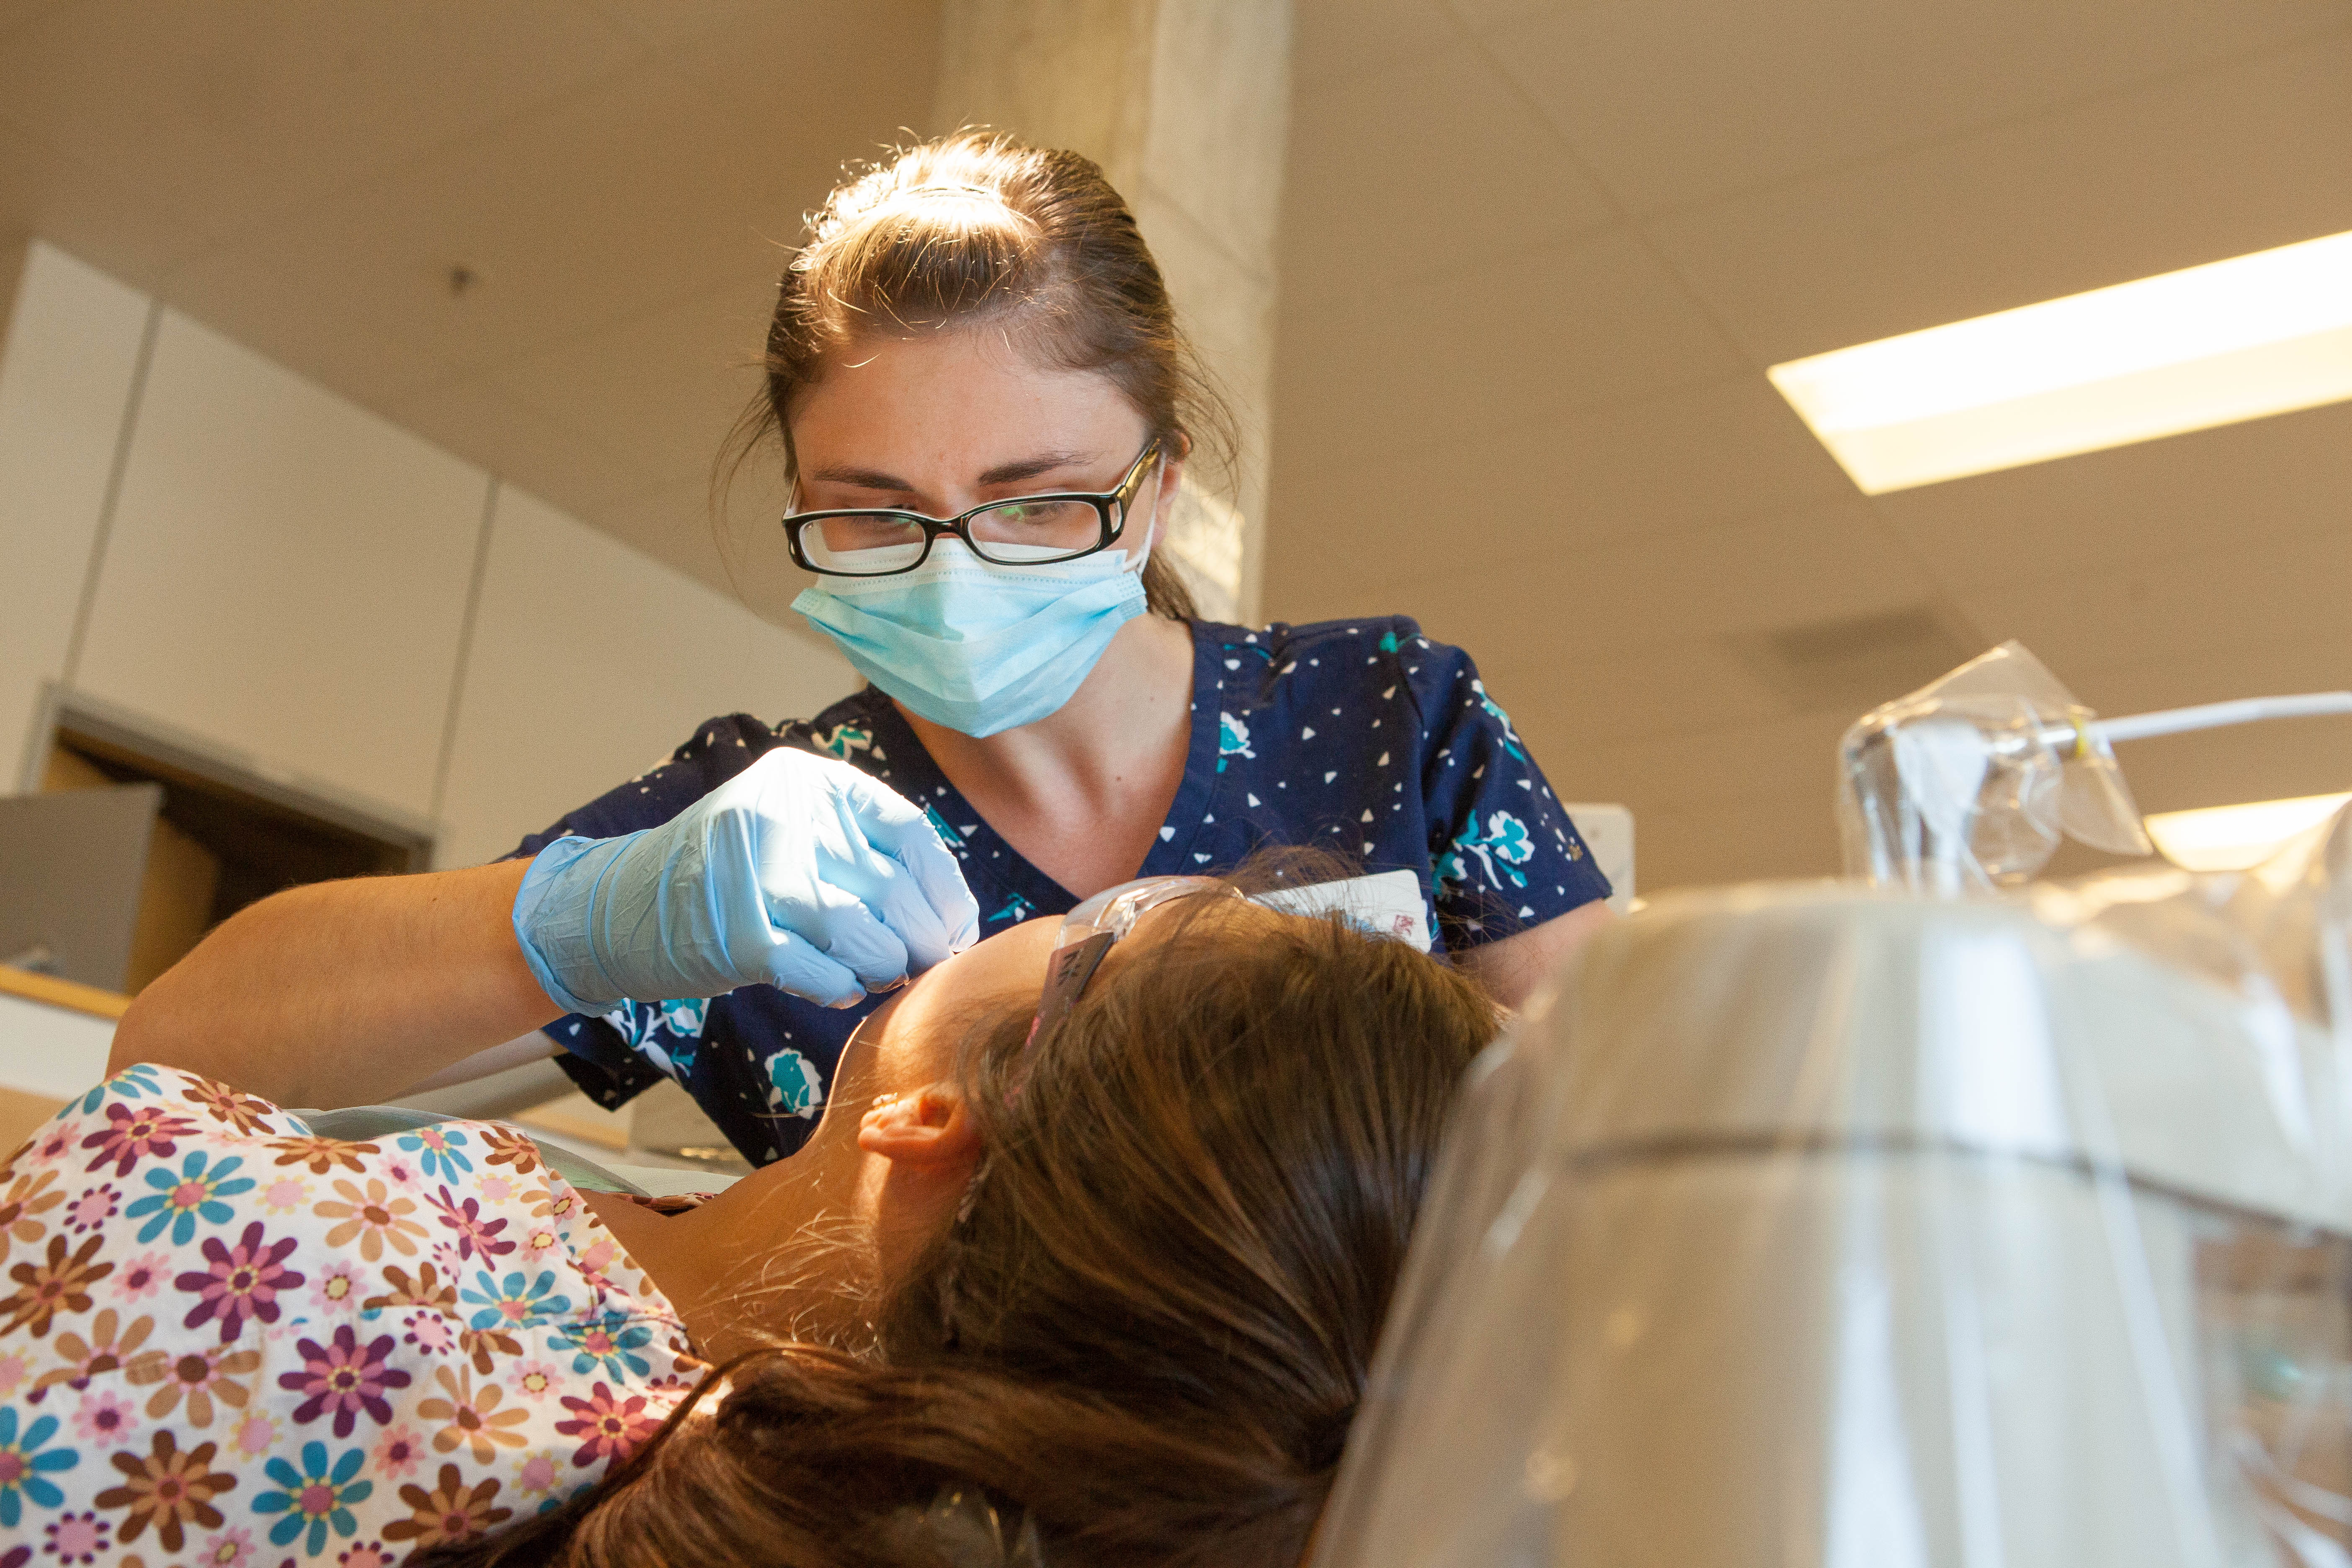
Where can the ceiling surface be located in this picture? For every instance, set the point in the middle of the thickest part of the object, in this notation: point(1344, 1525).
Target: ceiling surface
point(616, 177)
point(1536, 257)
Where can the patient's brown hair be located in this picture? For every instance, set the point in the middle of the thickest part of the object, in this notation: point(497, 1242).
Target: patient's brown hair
point(978, 227)
point(1152, 1328)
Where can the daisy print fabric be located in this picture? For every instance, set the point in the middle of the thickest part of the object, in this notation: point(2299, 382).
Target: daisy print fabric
point(227, 1340)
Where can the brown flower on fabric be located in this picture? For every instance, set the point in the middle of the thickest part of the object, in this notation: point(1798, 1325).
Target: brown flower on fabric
point(59, 1284)
point(509, 1147)
point(240, 1110)
point(427, 1289)
point(167, 1490)
point(322, 1154)
point(200, 1376)
point(109, 1348)
point(21, 1206)
point(372, 1217)
point(485, 1346)
point(447, 1514)
point(471, 1416)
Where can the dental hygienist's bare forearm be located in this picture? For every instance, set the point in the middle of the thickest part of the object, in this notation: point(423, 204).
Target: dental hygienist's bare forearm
point(345, 993)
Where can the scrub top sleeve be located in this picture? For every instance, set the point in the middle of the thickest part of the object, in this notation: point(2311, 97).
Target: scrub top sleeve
point(1504, 854)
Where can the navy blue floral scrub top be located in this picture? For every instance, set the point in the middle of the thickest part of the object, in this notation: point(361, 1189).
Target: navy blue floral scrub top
point(1363, 737)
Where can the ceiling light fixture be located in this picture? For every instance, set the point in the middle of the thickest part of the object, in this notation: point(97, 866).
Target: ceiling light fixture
point(2242, 339)
point(2237, 837)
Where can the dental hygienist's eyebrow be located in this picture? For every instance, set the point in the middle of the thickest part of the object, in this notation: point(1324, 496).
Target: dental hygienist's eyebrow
point(1029, 467)
point(1003, 474)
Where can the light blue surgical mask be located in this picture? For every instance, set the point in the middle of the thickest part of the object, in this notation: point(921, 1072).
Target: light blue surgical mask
point(976, 646)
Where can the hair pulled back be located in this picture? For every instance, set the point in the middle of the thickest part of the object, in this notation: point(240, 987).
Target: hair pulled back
point(1151, 1329)
point(979, 228)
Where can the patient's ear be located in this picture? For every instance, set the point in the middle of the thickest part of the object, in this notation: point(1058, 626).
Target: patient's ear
point(926, 1126)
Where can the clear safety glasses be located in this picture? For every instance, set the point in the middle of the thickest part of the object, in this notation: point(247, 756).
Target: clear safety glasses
point(1090, 930)
point(1026, 531)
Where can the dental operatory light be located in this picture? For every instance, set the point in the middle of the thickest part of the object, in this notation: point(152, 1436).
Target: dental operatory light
point(2237, 837)
point(2231, 340)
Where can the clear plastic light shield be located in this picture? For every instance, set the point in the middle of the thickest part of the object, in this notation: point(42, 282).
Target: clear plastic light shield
point(1970, 782)
point(1810, 1226)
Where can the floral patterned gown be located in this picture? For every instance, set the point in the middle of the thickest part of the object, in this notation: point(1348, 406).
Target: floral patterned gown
point(225, 1341)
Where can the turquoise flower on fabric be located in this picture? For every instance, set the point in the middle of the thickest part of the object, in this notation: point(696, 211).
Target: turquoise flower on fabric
point(178, 1202)
point(314, 1498)
point(511, 1304)
point(1500, 851)
point(607, 1346)
point(843, 739)
point(27, 1461)
point(1233, 740)
point(1387, 642)
point(439, 1150)
point(1015, 909)
point(794, 1088)
point(130, 1083)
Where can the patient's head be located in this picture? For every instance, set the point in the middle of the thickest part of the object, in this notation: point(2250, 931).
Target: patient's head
point(1133, 1277)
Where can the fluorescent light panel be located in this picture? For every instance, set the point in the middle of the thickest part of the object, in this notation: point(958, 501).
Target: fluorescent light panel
point(2235, 339)
point(2237, 837)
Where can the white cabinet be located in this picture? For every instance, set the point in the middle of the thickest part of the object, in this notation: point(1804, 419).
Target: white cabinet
point(589, 663)
point(70, 354)
point(286, 575)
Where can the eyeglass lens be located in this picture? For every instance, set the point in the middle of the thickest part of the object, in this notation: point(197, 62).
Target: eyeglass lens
point(1017, 534)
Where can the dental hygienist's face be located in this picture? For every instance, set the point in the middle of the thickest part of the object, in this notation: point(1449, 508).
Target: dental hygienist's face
point(941, 421)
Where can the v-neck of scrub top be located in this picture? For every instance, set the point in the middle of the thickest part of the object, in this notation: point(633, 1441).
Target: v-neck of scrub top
point(1175, 848)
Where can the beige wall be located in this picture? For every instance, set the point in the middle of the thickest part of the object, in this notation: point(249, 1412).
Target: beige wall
point(202, 540)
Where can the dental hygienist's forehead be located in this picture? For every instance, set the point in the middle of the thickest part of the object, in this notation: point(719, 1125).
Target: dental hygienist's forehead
point(948, 406)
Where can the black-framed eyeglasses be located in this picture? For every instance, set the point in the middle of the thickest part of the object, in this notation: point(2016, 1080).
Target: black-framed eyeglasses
point(1025, 531)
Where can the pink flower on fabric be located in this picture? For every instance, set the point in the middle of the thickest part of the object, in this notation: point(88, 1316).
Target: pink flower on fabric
point(240, 1282)
point(130, 1135)
point(104, 1417)
point(367, 1555)
point(610, 1428)
point(535, 1380)
point(343, 1378)
point(99, 1204)
point(255, 1435)
point(54, 1142)
point(141, 1277)
point(431, 1332)
point(79, 1538)
point(398, 1455)
point(475, 1234)
point(229, 1549)
point(340, 1288)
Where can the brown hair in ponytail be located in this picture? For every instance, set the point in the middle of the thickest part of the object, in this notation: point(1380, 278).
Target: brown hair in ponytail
point(978, 227)
point(1150, 1333)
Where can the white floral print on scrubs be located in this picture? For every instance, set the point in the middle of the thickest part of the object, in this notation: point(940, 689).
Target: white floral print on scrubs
point(226, 1341)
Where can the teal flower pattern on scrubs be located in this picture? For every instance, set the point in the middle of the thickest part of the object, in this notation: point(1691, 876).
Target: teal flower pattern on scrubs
point(1361, 737)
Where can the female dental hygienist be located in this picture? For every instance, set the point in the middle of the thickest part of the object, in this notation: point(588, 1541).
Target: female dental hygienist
point(984, 405)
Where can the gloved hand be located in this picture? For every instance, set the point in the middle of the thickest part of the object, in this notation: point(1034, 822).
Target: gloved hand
point(800, 872)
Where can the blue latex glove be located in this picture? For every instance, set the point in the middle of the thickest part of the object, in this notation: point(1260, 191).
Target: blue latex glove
point(799, 872)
